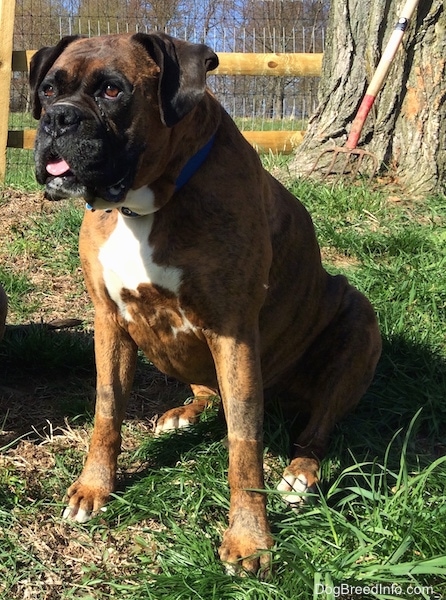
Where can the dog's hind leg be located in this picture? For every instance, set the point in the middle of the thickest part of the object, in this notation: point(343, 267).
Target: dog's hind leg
point(328, 382)
point(184, 416)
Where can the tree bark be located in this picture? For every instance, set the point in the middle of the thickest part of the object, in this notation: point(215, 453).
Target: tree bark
point(406, 127)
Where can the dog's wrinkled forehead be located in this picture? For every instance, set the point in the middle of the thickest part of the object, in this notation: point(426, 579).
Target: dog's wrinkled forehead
point(92, 55)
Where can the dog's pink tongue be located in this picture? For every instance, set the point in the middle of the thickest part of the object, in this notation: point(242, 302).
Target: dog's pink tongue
point(58, 167)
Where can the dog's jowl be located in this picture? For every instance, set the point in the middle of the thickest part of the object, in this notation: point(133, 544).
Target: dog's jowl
point(192, 252)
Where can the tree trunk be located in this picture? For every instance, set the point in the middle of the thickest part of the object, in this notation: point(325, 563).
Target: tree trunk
point(406, 128)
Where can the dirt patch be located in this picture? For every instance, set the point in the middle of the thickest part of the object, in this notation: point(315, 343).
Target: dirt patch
point(54, 296)
point(68, 554)
point(337, 259)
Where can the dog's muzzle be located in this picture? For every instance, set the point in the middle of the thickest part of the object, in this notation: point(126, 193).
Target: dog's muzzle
point(74, 156)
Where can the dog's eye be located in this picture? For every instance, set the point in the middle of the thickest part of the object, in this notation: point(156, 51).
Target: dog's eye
point(111, 91)
point(48, 91)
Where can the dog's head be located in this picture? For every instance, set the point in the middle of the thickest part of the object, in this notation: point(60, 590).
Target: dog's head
point(103, 101)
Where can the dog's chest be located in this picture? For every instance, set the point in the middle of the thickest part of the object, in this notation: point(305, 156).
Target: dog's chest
point(127, 262)
point(147, 296)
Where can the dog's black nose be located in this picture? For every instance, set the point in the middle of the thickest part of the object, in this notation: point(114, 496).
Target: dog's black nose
point(61, 118)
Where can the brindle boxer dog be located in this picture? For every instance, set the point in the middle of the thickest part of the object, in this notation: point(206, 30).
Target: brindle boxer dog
point(194, 253)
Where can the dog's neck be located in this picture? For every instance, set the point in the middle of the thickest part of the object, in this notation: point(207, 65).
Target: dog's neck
point(190, 168)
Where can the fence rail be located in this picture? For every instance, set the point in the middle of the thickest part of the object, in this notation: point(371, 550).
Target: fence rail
point(295, 64)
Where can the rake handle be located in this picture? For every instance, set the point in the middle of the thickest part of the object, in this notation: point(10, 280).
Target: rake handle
point(381, 73)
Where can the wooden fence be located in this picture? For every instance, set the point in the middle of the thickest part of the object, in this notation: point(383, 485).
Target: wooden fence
point(231, 63)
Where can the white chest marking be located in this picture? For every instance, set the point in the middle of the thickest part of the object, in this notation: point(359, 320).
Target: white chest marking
point(127, 261)
point(185, 327)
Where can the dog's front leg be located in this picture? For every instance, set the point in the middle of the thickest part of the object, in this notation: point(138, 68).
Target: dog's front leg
point(248, 537)
point(115, 355)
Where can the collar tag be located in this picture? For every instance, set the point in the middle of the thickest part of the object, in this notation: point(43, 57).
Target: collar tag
point(127, 212)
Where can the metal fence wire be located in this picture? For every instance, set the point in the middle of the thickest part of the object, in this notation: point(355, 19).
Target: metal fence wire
point(255, 102)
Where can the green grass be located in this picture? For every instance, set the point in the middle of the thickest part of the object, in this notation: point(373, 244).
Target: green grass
point(16, 286)
point(39, 250)
point(378, 522)
point(22, 120)
point(268, 124)
point(26, 121)
point(20, 169)
point(53, 240)
point(20, 163)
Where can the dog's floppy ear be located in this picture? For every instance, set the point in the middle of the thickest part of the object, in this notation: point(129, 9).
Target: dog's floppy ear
point(183, 67)
point(40, 65)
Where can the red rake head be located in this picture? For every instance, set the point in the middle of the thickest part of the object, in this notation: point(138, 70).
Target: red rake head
point(340, 162)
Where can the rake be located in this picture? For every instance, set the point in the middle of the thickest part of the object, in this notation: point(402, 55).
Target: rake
point(349, 158)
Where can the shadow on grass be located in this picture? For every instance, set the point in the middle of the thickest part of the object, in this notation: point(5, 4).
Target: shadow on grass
point(47, 375)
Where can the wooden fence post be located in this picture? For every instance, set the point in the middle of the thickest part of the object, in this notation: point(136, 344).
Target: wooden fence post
point(7, 8)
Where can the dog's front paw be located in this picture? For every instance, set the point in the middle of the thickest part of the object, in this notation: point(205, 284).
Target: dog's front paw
point(246, 550)
point(298, 480)
point(179, 418)
point(84, 501)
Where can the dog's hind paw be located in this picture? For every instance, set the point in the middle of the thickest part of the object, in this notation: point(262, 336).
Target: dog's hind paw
point(293, 489)
point(179, 418)
point(298, 481)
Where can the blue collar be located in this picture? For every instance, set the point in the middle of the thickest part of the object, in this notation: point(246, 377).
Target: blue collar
point(189, 169)
point(193, 164)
